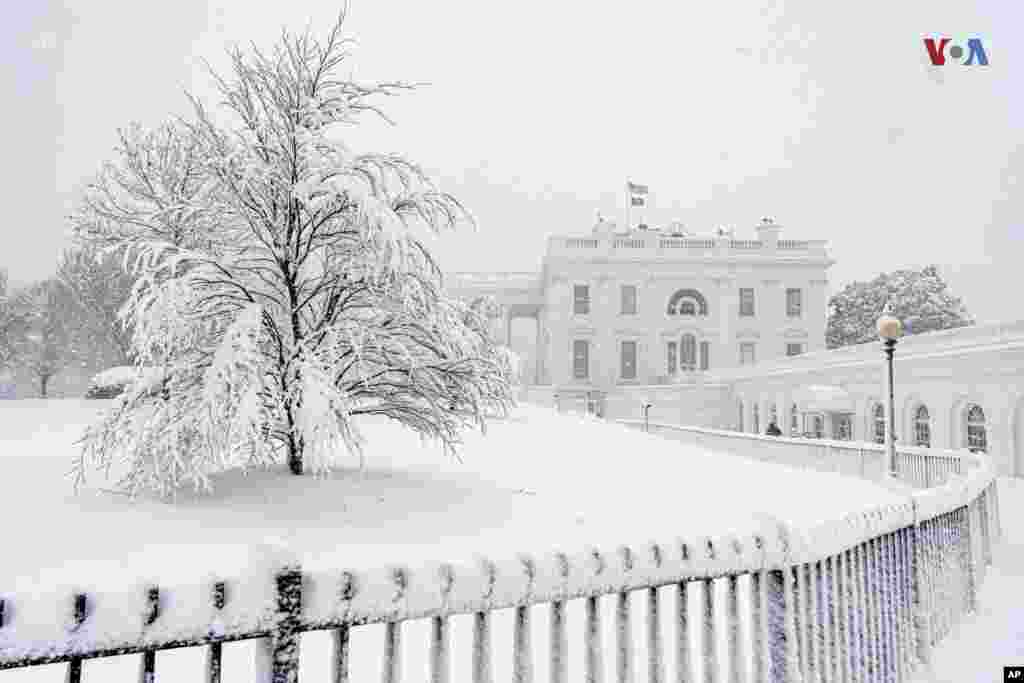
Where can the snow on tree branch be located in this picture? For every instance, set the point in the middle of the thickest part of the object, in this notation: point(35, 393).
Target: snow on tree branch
point(920, 299)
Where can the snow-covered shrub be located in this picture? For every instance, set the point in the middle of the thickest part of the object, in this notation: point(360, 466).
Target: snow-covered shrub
point(311, 301)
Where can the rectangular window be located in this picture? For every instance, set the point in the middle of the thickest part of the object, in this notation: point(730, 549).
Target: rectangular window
point(628, 299)
point(747, 353)
point(746, 301)
point(628, 360)
point(581, 299)
point(794, 349)
point(580, 359)
point(793, 303)
point(705, 355)
point(673, 358)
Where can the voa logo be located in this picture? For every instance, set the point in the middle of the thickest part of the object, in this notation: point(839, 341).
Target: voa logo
point(941, 48)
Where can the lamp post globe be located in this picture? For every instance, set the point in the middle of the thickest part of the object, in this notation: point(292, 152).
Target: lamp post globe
point(889, 328)
point(889, 331)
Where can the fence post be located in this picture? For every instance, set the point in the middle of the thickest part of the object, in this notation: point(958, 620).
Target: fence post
point(918, 586)
point(984, 543)
point(780, 589)
point(967, 554)
point(277, 660)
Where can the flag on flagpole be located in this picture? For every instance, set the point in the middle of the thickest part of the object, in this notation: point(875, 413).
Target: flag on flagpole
point(637, 194)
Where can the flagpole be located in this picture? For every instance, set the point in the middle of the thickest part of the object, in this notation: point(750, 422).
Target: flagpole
point(629, 202)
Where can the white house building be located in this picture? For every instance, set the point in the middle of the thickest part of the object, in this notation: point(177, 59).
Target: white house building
point(652, 307)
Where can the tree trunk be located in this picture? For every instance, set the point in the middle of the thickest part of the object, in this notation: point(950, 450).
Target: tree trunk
point(294, 455)
point(44, 380)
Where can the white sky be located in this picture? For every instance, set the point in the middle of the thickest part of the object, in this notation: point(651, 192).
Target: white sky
point(823, 115)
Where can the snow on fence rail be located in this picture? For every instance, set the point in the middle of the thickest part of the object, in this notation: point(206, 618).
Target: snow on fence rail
point(862, 598)
point(919, 467)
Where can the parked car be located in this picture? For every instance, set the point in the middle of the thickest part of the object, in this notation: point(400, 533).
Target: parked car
point(113, 382)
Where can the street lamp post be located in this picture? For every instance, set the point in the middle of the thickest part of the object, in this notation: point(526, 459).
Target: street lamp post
point(889, 330)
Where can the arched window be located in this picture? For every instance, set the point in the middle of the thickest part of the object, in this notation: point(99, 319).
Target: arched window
point(878, 422)
point(756, 420)
point(818, 426)
point(976, 437)
point(687, 302)
point(688, 353)
point(922, 427)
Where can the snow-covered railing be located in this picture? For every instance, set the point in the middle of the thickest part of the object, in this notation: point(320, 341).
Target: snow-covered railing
point(919, 467)
point(861, 598)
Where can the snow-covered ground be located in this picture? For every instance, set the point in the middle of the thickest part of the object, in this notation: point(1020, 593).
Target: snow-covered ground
point(535, 483)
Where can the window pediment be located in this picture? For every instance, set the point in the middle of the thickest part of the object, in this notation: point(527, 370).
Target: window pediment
point(687, 302)
point(795, 334)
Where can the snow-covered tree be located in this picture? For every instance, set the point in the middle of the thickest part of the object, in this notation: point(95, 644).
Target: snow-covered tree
point(43, 344)
point(12, 321)
point(920, 299)
point(317, 304)
point(98, 286)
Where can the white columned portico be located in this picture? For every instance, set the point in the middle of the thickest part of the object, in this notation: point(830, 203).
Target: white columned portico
point(748, 414)
point(784, 406)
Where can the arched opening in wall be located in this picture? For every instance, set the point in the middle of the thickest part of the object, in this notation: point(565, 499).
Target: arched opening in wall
point(878, 423)
point(524, 343)
point(815, 425)
point(756, 419)
point(739, 416)
point(794, 421)
point(976, 429)
point(922, 427)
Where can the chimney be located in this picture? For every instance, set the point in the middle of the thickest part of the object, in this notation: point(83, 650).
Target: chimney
point(768, 232)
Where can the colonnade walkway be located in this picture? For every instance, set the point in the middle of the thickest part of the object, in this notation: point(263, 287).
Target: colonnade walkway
point(983, 643)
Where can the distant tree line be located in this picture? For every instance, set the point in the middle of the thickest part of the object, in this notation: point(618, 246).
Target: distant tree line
point(67, 319)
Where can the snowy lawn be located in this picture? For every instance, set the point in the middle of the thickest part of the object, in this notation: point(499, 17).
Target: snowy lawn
point(536, 483)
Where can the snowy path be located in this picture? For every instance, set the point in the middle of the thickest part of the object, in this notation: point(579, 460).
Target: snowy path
point(983, 644)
